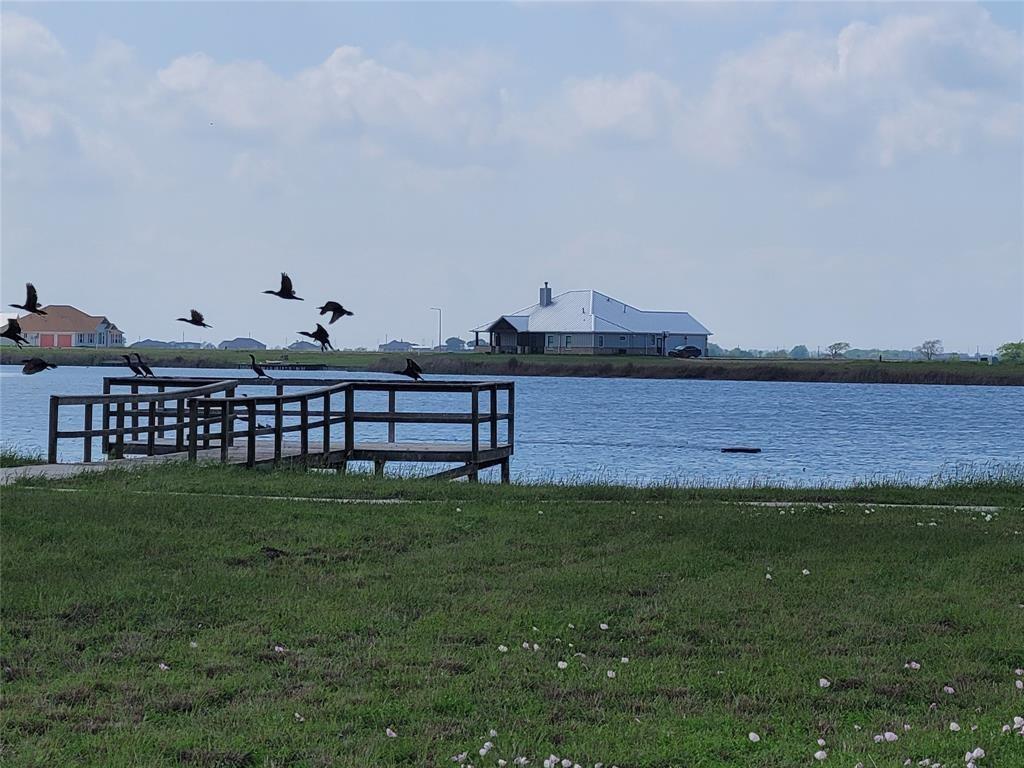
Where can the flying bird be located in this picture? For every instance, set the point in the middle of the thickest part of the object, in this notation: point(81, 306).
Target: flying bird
point(13, 332)
point(31, 301)
point(321, 335)
point(412, 370)
point(35, 365)
point(337, 311)
point(257, 368)
point(285, 291)
point(146, 370)
point(195, 318)
point(135, 369)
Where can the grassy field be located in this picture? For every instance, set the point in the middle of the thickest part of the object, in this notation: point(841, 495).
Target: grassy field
point(217, 617)
point(849, 371)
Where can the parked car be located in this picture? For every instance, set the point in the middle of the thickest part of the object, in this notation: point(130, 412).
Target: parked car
point(689, 351)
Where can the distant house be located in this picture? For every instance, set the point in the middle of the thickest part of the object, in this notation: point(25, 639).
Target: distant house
point(67, 326)
point(241, 342)
point(396, 346)
point(590, 323)
point(303, 346)
point(156, 344)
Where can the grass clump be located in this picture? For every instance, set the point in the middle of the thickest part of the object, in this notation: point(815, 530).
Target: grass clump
point(160, 627)
point(17, 457)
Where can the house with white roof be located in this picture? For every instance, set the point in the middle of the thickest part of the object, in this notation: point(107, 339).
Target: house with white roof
point(590, 323)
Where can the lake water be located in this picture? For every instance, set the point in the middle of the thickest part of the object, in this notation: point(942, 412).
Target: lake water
point(651, 431)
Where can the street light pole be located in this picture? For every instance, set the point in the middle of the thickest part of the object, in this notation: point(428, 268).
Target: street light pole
point(438, 310)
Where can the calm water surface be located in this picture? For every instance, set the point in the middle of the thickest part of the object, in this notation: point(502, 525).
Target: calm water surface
point(648, 430)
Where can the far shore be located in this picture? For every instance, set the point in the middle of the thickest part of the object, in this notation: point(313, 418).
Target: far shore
point(481, 364)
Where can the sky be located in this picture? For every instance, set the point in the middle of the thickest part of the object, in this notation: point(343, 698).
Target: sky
point(789, 174)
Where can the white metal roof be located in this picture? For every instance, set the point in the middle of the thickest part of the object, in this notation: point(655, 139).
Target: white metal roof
point(591, 311)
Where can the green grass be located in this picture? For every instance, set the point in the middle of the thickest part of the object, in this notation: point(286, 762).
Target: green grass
point(480, 364)
point(16, 457)
point(391, 616)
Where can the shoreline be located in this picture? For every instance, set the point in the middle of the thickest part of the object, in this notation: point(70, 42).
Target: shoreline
point(480, 364)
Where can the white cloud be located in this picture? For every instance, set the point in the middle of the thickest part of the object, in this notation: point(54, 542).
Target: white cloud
point(910, 84)
point(637, 107)
point(23, 38)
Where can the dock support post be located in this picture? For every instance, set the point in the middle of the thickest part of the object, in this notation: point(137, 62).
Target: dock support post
point(179, 431)
point(505, 474)
point(135, 414)
point(193, 430)
point(278, 427)
point(250, 441)
point(350, 425)
point(494, 416)
point(151, 434)
point(105, 439)
point(51, 453)
point(161, 420)
point(206, 425)
point(119, 439)
point(391, 413)
point(87, 447)
point(378, 467)
point(304, 427)
point(225, 432)
point(327, 424)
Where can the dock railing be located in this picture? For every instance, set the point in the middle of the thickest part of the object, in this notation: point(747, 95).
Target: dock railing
point(126, 409)
point(203, 413)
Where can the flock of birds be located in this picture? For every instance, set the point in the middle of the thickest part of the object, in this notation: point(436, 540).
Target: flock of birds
point(32, 365)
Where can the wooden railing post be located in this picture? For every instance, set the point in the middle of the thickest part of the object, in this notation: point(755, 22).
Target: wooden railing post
point(350, 424)
point(278, 426)
point(206, 424)
point(304, 426)
point(250, 448)
point(119, 426)
point(135, 414)
point(476, 425)
point(193, 429)
point(230, 435)
point(511, 429)
point(105, 439)
point(179, 431)
point(51, 445)
point(87, 446)
point(327, 423)
point(161, 419)
point(151, 434)
point(494, 415)
point(391, 413)
point(225, 431)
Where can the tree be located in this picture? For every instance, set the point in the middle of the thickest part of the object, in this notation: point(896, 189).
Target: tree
point(837, 349)
point(930, 348)
point(799, 352)
point(1012, 352)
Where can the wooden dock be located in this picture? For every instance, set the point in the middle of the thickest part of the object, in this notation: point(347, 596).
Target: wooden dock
point(310, 422)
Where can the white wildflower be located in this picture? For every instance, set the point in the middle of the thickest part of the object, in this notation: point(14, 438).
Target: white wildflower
point(164, 667)
point(562, 664)
point(948, 689)
point(821, 742)
point(604, 627)
point(193, 644)
point(753, 737)
point(299, 718)
point(824, 682)
point(624, 659)
point(821, 754)
point(805, 572)
point(390, 733)
point(890, 736)
point(611, 674)
point(503, 649)
point(954, 727)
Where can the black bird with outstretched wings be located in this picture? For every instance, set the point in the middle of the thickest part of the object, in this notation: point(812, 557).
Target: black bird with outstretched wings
point(337, 311)
point(320, 335)
point(195, 318)
point(13, 332)
point(286, 291)
point(31, 301)
point(412, 370)
point(35, 365)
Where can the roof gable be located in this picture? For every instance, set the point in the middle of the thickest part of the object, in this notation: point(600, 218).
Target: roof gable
point(62, 318)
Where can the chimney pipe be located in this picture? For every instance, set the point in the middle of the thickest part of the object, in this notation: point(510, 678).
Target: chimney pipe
point(545, 295)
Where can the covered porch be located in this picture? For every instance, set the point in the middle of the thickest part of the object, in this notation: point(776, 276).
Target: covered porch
point(503, 336)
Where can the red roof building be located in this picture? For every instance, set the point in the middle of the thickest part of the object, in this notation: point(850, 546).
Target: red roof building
point(66, 326)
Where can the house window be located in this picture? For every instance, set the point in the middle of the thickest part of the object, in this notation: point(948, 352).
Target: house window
point(652, 338)
point(600, 341)
point(568, 342)
point(622, 338)
point(551, 341)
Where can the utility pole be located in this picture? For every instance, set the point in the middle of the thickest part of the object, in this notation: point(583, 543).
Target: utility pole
point(438, 310)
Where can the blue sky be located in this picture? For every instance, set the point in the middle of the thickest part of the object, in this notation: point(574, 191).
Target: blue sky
point(794, 173)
